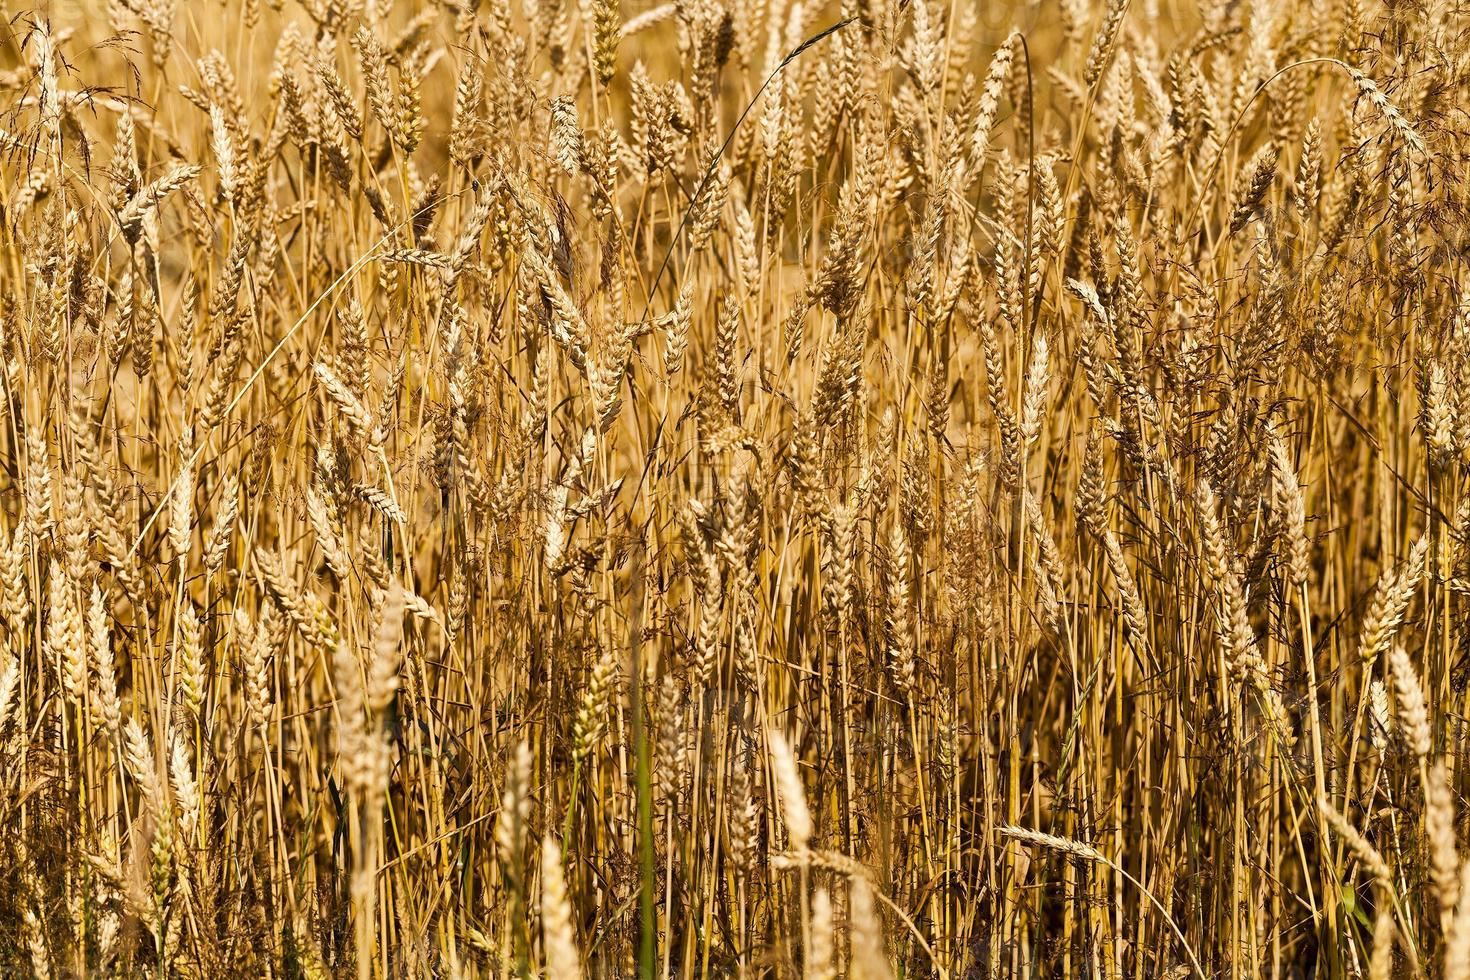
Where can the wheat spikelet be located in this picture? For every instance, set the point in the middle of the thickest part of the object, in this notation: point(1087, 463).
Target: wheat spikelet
point(99, 634)
point(255, 645)
point(1373, 862)
point(1439, 830)
point(996, 79)
point(145, 201)
point(563, 961)
point(788, 787)
point(820, 959)
point(1063, 844)
point(591, 719)
point(515, 812)
point(869, 957)
point(1380, 966)
point(381, 501)
point(9, 683)
point(1457, 935)
point(1391, 114)
point(142, 767)
point(190, 658)
point(37, 483)
point(1104, 41)
point(40, 959)
point(1293, 510)
point(1390, 602)
point(1413, 713)
point(64, 638)
point(186, 788)
point(347, 403)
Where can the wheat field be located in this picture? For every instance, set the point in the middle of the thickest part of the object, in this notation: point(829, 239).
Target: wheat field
point(734, 488)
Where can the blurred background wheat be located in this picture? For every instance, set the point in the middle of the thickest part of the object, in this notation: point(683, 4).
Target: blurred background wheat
point(734, 488)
